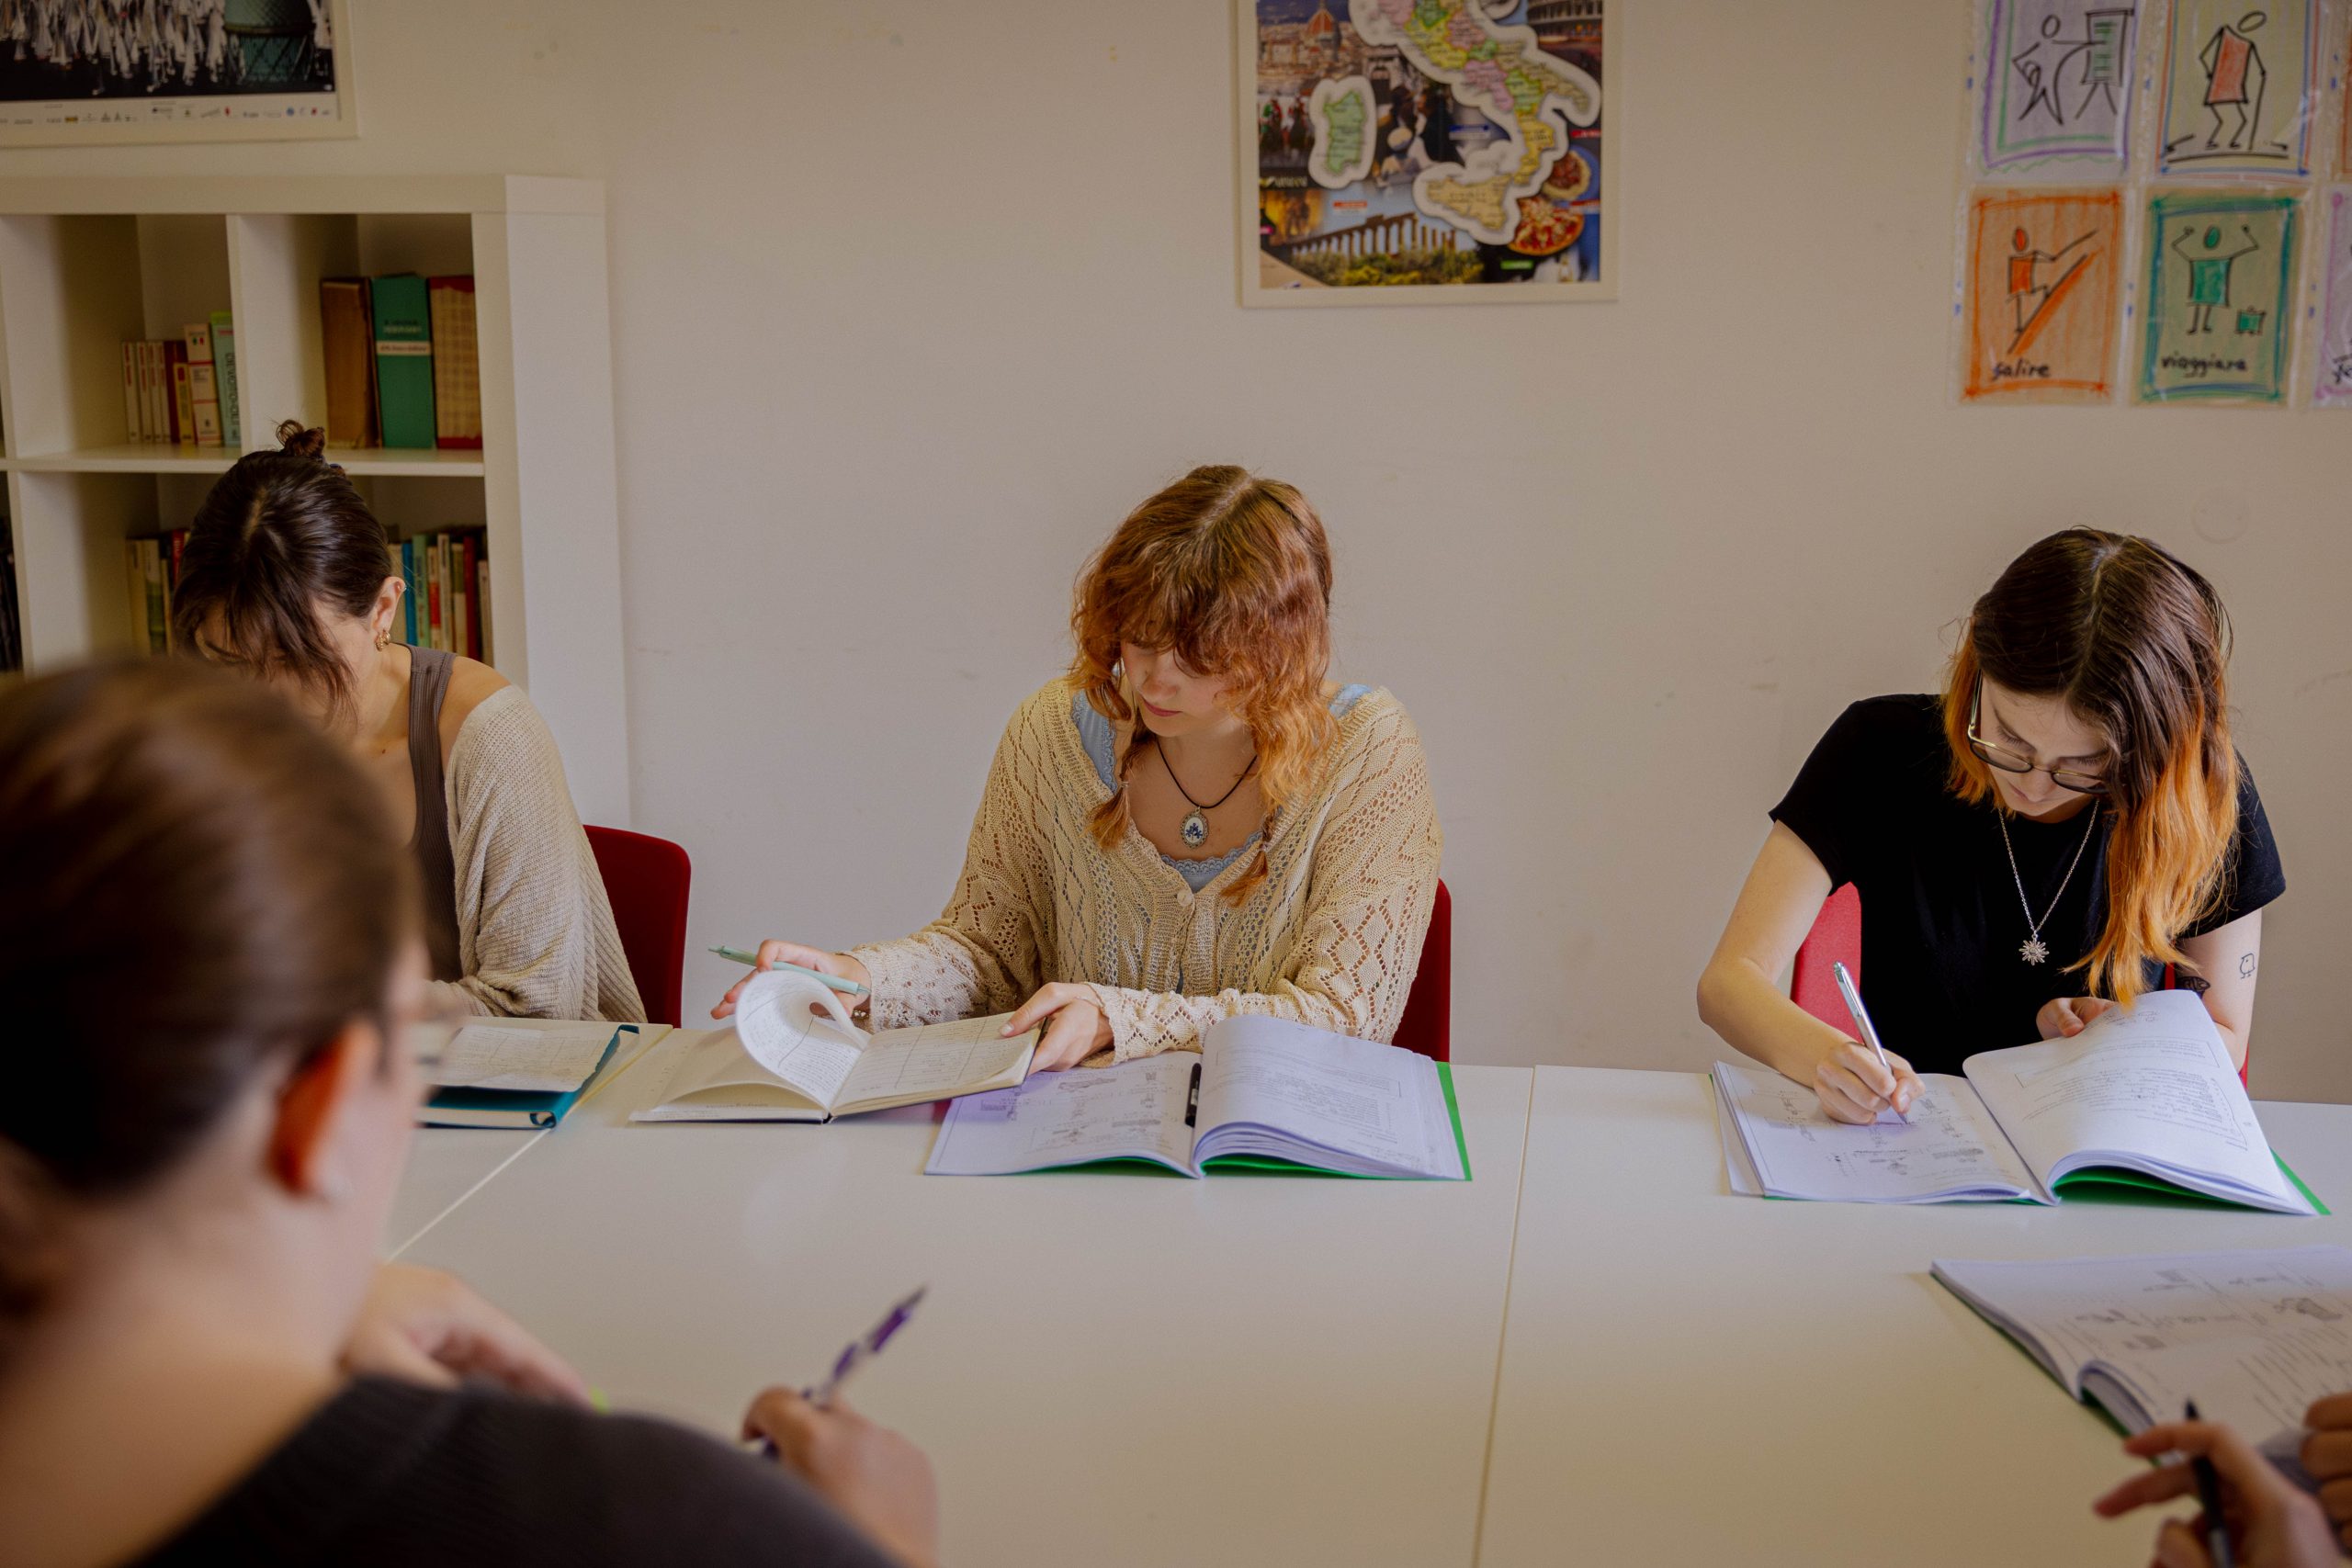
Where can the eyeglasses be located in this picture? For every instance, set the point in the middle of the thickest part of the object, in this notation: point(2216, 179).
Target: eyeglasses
point(2009, 762)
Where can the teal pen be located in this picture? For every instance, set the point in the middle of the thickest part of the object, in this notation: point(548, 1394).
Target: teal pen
point(737, 955)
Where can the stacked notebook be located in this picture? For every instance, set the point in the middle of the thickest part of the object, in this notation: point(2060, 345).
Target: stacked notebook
point(2144, 1098)
point(1263, 1093)
point(521, 1072)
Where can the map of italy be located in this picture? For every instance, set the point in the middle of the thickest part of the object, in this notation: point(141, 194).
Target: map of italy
point(1503, 72)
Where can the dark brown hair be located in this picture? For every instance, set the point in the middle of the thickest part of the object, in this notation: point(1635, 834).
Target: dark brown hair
point(281, 536)
point(1233, 573)
point(200, 886)
point(2136, 642)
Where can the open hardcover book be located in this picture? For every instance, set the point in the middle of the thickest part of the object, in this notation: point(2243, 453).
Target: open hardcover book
point(2144, 1098)
point(523, 1072)
point(1261, 1092)
point(782, 1062)
point(2253, 1337)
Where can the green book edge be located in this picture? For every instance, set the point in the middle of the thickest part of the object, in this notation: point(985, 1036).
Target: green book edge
point(544, 1107)
point(2100, 1175)
point(1293, 1168)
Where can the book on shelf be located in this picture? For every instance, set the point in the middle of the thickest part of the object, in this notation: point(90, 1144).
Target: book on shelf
point(457, 364)
point(224, 361)
point(182, 410)
point(154, 421)
point(447, 577)
point(134, 401)
point(403, 345)
point(203, 384)
point(152, 574)
point(12, 633)
point(346, 339)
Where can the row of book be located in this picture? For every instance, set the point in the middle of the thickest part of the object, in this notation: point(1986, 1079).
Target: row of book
point(446, 606)
point(186, 390)
point(403, 361)
point(447, 603)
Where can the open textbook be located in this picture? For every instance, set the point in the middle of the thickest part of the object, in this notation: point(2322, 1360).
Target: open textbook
point(2253, 1337)
point(1262, 1092)
point(2144, 1098)
point(783, 1062)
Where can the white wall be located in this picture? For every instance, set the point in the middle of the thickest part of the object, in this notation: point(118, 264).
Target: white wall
point(912, 299)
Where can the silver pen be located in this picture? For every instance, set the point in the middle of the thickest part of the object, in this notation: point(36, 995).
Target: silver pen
point(1869, 1030)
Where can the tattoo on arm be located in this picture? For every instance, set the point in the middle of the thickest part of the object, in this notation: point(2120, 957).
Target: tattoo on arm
point(2245, 967)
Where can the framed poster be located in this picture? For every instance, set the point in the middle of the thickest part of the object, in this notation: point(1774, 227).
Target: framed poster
point(1424, 152)
point(94, 72)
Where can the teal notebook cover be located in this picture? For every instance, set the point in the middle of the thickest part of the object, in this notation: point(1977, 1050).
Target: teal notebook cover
point(403, 359)
point(513, 1107)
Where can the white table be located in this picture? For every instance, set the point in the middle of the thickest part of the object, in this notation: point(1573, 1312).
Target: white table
point(447, 1164)
point(1690, 1376)
point(1111, 1368)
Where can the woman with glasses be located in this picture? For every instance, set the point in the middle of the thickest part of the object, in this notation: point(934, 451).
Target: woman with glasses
point(2066, 826)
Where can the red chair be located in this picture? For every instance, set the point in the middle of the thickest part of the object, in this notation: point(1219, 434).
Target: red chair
point(1427, 1026)
point(646, 878)
point(1837, 935)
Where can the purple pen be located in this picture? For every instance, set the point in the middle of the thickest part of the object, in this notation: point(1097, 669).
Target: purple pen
point(857, 1352)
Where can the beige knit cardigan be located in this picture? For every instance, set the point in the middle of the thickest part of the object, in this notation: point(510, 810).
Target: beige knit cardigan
point(1330, 938)
point(534, 930)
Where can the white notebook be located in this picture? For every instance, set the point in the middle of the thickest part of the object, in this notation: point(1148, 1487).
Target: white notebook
point(784, 1063)
point(2144, 1098)
point(1260, 1092)
point(2253, 1337)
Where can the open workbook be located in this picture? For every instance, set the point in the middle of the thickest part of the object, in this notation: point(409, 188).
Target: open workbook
point(523, 1072)
point(1261, 1092)
point(2253, 1337)
point(2143, 1098)
point(782, 1062)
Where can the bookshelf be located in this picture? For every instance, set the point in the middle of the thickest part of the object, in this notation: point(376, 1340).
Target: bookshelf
point(86, 263)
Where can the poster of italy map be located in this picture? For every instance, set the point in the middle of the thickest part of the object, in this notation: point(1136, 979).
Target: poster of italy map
point(1419, 151)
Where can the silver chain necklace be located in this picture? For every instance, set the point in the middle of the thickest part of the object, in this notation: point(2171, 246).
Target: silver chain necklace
point(2033, 950)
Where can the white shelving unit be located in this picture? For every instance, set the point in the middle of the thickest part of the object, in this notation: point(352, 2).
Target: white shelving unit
point(86, 263)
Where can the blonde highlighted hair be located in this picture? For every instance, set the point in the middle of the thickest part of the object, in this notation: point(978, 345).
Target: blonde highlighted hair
point(1232, 573)
point(2136, 642)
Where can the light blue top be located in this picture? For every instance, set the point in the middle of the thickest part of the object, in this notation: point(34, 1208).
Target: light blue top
point(1094, 734)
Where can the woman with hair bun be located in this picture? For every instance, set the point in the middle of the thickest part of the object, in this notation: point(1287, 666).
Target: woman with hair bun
point(2041, 841)
point(285, 575)
point(1192, 823)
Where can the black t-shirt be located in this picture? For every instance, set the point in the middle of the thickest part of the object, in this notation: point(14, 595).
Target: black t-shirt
point(1942, 919)
point(386, 1473)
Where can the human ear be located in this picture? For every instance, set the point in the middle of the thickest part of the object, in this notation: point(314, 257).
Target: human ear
point(316, 1110)
point(388, 605)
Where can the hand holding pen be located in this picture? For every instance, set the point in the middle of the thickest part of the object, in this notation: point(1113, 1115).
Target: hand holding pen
point(2252, 1515)
point(1856, 1081)
point(878, 1479)
point(837, 970)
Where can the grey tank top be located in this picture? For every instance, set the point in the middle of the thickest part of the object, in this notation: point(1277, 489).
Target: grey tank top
point(428, 684)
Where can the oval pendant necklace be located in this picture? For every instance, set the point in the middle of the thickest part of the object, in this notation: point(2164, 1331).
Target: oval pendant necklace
point(1195, 826)
point(2033, 950)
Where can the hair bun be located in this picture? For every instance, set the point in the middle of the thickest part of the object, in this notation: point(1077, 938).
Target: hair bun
point(296, 440)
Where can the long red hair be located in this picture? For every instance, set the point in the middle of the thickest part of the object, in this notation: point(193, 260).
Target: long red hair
point(2136, 642)
point(1231, 573)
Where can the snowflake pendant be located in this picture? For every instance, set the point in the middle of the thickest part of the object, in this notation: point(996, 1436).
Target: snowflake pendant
point(2033, 950)
point(1195, 829)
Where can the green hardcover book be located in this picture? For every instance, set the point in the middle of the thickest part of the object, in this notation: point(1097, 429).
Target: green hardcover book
point(403, 359)
point(224, 372)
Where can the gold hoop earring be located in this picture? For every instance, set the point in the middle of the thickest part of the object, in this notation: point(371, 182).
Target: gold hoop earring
point(383, 640)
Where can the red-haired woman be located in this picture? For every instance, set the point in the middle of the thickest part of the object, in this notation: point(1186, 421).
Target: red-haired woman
point(2031, 847)
point(1192, 822)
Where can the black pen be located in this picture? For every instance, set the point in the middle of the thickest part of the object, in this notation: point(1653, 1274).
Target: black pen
point(1193, 1100)
point(2209, 1497)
